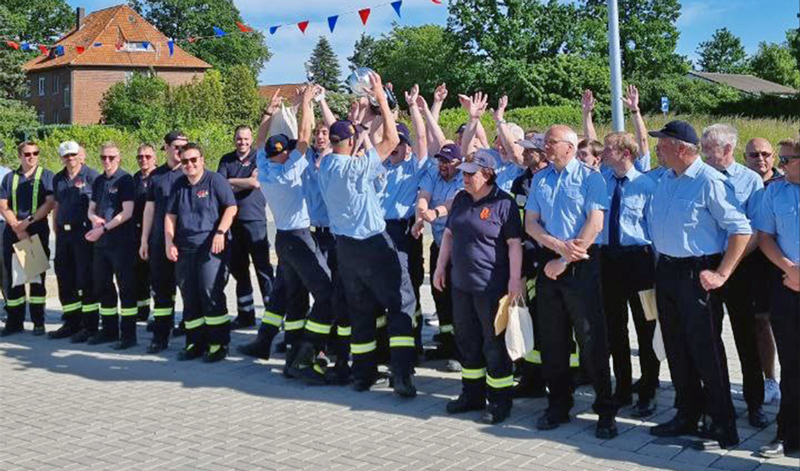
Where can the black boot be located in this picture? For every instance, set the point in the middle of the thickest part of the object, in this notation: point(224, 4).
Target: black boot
point(68, 329)
point(14, 324)
point(465, 404)
point(261, 346)
point(403, 386)
point(128, 331)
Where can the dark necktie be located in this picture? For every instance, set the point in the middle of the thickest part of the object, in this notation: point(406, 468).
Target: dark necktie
point(613, 218)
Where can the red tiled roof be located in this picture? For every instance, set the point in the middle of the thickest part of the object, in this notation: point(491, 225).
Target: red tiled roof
point(288, 90)
point(109, 27)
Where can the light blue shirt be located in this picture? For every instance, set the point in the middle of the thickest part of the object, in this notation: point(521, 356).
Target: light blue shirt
point(3, 172)
point(694, 214)
point(397, 186)
point(657, 173)
point(642, 164)
point(347, 185)
point(316, 205)
point(506, 173)
point(779, 215)
point(564, 199)
point(282, 185)
point(441, 192)
point(745, 183)
point(637, 191)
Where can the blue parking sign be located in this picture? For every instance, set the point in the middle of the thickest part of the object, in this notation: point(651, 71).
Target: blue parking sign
point(664, 104)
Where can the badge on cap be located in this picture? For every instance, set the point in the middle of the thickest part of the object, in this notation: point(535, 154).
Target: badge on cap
point(278, 147)
point(484, 214)
point(202, 193)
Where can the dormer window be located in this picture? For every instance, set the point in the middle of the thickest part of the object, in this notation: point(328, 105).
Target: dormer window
point(138, 46)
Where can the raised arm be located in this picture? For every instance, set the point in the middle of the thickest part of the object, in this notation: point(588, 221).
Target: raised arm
point(327, 115)
point(263, 128)
point(513, 150)
point(438, 138)
point(306, 121)
point(475, 106)
point(631, 101)
point(390, 136)
point(418, 123)
point(587, 108)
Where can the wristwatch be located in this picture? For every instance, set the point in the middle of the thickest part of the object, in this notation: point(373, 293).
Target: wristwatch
point(30, 218)
point(219, 232)
point(436, 212)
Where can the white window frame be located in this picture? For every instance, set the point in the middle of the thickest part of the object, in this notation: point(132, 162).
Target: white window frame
point(28, 88)
point(42, 87)
point(56, 84)
point(67, 97)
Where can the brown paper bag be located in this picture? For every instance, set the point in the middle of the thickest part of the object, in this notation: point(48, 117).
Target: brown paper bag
point(501, 318)
point(32, 258)
point(648, 299)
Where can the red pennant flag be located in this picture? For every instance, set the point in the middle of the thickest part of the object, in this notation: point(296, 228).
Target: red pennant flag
point(438, 2)
point(243, 27)
point(364, 14)
point(118, 46)
point(80, 49)
point(43, 48)
point(13, 45)
point(303, 25)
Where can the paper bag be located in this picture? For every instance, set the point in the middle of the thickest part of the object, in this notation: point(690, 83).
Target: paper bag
point(31, 257)
point(648, 299)
point(283, 122)
point(501, 318)
point(658, 343)
point(519, 331)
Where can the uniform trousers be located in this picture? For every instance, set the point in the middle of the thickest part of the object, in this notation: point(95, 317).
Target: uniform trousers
point(785, 318)
point(410, 249)
point(442, 299)
point(142, 273)
point(326, 242)
point(162, 279)
point(109, 263)
point(250, 241)
point(73, 268)
point(16, 301)
point(202, 277)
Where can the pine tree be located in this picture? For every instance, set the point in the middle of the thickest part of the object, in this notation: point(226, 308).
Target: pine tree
point(323, 66)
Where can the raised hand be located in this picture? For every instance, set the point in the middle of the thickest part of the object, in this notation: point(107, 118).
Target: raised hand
point(587, 102)
point(274, 102)
point(631, 99)
point(476, 105)
point(423, 105)
point(440, 93)
point(377, 86)
point(412, 96)
point(501, 108)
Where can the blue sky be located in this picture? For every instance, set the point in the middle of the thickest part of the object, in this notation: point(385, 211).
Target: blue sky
point(752, 20)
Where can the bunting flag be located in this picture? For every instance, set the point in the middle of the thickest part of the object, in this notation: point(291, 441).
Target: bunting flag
point(364, 14)
point(59, 51)
point(218, 32)
point(97, 44)
point(332, 22)
point(119, 46)
point(272, 29)
point(243, 27)
point(396, 5)
point(13, 45)
point(146, 44)
point(171, 46)
point(44, 49)
point(80, 49)
point(303, 25)
point(27, 47)
point(438, 2)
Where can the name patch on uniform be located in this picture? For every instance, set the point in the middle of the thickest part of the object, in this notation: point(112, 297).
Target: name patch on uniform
point(202, 193)
point(79, 184)
point(484, 214)
point(113, 190)
point(246, 163)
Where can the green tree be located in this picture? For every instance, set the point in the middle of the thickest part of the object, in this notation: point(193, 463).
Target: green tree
point(198, 102)
point(776, 63)
point(363, 52)
point(183, 19)
point(242, 101)
point(323, 66)
point(15, 114)
point(723, 53)
point(138, 102)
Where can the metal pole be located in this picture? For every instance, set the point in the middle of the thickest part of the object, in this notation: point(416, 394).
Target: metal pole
point(617, 116)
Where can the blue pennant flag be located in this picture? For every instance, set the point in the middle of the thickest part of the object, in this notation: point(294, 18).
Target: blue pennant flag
point(332, 22)
point(146, 44)
point(59, 51)
point(396, 5)
point(26, 47)
point(218, 32)
point(97, 44)
point(171, 46)
point(272, 29)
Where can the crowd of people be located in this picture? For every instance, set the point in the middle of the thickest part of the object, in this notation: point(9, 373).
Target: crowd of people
point(576, 228)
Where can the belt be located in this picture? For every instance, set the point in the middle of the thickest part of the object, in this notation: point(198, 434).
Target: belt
point(702, 260)
point(320, 230)
point(621, 250)
point(400, 222)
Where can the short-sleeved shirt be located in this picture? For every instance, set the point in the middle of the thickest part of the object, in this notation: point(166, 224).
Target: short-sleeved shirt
point(73, 197)
point(506, 173)
point(282, 185)
point(481, 230)
point(779, 215)
point(693, 214)
point(565, 199)
point(348, 189)
point(441, 192)
point(317, 210)
point(637, 191)
point(251, 202)
point(198, 209)
point(397, 186)
point(108, 194)
point(24, 196)
point(161, 182)
point(745, 183)
point(141, 184)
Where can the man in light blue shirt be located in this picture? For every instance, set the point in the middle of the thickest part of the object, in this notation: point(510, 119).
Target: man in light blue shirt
point(778, 220)
point(564, 215)
point(628, 267)
point(691, 216)
point(718, 143)
point(368, 261)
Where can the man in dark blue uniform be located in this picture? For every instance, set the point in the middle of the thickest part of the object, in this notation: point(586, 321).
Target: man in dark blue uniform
point(146, 158)
point(26, 198)
point(152, 247)
point(200, 213)
point(114, 254)
point(72, 188)
point(249, 230)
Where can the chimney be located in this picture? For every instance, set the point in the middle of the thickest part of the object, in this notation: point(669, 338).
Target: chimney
point(81, 13)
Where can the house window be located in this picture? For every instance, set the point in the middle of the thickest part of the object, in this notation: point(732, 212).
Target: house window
point(138, 46)
point(67, 97)
point(41, 117)
point(55, 117)
point(41, 86)
point(56, 83)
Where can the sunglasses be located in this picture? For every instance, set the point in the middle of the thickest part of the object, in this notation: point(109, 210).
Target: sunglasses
point(31, 154)
point(67, 156)
point(192, 160)
point(179, 148)
point(785, 159)
point(144, 157)
point(755, 155)
point(108, 158)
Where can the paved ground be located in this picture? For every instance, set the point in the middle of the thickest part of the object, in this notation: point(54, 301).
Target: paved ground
point(72, 407)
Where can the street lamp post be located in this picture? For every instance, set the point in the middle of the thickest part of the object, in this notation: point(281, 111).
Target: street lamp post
point(617, 116)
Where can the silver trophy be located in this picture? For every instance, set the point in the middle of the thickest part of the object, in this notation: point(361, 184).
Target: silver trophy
point(358, 82)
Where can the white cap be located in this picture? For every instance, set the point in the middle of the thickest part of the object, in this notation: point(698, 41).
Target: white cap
point(535, 142)
point(68, 147)
point(516, 131)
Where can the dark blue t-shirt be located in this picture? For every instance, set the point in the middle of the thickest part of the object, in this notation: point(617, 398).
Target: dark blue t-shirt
point(481, 230)
point(73, 196)
point(161, 181)
point(141, 185)
point(251, 202)
point(198, 209)
point(24, 197)
point(108, 194)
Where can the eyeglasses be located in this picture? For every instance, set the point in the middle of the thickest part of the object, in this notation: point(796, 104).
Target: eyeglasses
point(109, 158)
point(144, 157)
point(179, 148)
point(31, 154)
point(192, 160)
point(755, 155)
point(785, 159)
point(67, 156)
point(552, 142)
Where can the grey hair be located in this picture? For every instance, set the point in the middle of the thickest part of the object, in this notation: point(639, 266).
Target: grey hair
point(571, 137)
point(691, 148)
point(720, 135)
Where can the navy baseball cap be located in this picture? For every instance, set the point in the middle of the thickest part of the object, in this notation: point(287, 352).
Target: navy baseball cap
point(278, 143)
point(174, 136)
point(404, 133)
point(483, 158)
point(680, 130)
point(342, 130)
point(449, 153)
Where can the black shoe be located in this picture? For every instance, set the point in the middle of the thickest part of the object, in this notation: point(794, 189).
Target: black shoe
point(11, 331)
point(157, 347)
point(180, 330)
point(338, 375)
point(551, 420)
point(644, 408)
point(622, 401)
point(606, 427)
point(281, 347)
point(453, 366)
point(240, 323)
point(635, 386)
point(125, 344)
point(464, 404)
point(102, 337)
point(81, 336)
point(215, 353)
point(363, 384)
point(192, 352)
point(257, 349)
point(38, 330)
point(526, 389)
point(757, 418)
point(580, 378)
point(718, 437)
point(403, 386)
point(495, 414)
point(63, 332)
point(313, 375)
point(143, 316)
point(674, 428)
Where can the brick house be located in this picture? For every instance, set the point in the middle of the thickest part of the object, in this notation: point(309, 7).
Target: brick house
point(106, 47)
